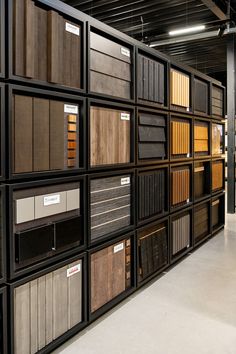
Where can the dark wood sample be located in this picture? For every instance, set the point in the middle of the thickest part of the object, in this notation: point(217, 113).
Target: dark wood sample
point(56, 135)
point(180, 185)
point(110, 269)
point(217, 101)
point(110, 136)
point(217, 175)
point(47, 307)
point(152, 193)
point(201, 179)
point(152, 250)
point(152, 136)
point(215, 207)
point(110, 205)
point(201, 97)
point(201, 221)
point(201, 137)
point(180, 138)
point(151, 84)
point(181, 233)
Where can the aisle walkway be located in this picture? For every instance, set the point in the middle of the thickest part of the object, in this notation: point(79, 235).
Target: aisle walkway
point(190, 310)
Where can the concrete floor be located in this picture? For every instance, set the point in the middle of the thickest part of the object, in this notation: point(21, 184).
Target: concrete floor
point(191, 309)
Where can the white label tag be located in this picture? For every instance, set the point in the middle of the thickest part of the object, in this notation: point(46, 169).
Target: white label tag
point(73, 270)
point(125, 180)
point(188, 246)
point(51, 199)
point(125, 116)
point(72, 29)
point(68, 108)
point(119, 247)
point(188, 155)
point(187, 200)
point(187, 109)
point(125, 51)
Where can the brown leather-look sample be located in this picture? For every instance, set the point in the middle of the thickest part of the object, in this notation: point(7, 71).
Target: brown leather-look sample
point(180, 89)
point(180, 138)
point(217, 175)
point(110, 273)
point(201, 137)
point(180, 185)
point(110, 136)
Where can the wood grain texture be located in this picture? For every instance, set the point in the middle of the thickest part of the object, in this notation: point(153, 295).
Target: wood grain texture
point(56, 135)
point(108, 85)
point(217, 139)
point(46, 308)
point(180, 89)
point(108, 274)
point(217, 175)
point(180, 137)
point(109, 137)
point(180, 234)
point(201, 140)
point(180, 185)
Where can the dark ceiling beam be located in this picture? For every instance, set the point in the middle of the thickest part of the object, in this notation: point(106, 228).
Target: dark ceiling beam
point(210, 4)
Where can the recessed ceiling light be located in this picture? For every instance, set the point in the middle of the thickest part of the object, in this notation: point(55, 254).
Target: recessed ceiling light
point(187, 30)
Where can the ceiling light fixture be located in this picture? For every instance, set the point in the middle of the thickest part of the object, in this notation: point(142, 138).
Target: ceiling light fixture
point(187, 30)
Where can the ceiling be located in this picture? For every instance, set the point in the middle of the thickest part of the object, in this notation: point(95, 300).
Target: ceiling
point(151, 20)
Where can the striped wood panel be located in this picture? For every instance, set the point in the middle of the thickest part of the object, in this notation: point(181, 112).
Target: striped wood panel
point(153, 250)
point(217, 101)
point(201, 140)
point(110, 205)
point(152, 193)
point(201, 222)
point(151, 84)
point(110, 273)
point(201, 99)
point(46, 308)
point(180, 137)
point(152, 136)
point(180, 185)
point(217, 139)
point(181, 234)
point(180, 89)
point(109, 136)
point(217, 175)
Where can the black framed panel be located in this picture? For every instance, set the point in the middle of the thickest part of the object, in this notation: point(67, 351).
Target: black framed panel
point(218, 212)
point(111, 205)
point(202, 222)
point(55, 299)
point(152, 193)
point(202, 179)
point(46, 222)
point(111, 65)
point(152, 250)
point(2, 234)
point(111, 274)
point(47, 133)
point(152, 79)
point(50, 51)
point(3, 320)
point(152, 136)
point(2, 132)
point(2, 39)
point(201, 94)
point(181, 137)
point(202, 138)
point(111, 131)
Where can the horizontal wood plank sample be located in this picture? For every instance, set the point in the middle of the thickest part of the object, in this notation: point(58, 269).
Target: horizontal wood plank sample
point(181, 233)
point(201, 221)
point(180, 89)
point(151, 82)
point(47, 307)
point(201, 96)
point(152, 136)
point(152, 250)
point(110, 205)
point(217, 139)
point(217, 175)
point(180, 138)
point(217, 101)
point(152, 193)
point(41, 139)
point(47, 47)
point(201, 137)
point(180, 185)
point(110, 270)
point(110, 135)
point(201, 179)
point(110, 67)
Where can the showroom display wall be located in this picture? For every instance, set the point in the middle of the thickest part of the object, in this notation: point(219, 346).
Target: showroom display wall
point(112, 169)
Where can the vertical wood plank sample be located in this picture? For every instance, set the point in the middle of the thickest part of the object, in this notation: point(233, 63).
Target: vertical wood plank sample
point(43, 305)
point(180, 138)
point(217, 101)
point(180, 89)
point(56, 135)
point(110, 134)
point(201, 137)
point(151, 84)
point(108, 274)
point(180, 185)
point(152, 250)
point(181, 233)
point(152, 193)
point(201, 221)
point(201, 98)
point(152, 136)
point(110, 67)
point(110, 205)
point(217, 139)
point(217, 175)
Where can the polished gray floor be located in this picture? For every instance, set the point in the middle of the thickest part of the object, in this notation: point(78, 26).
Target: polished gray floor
point(191, 309)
